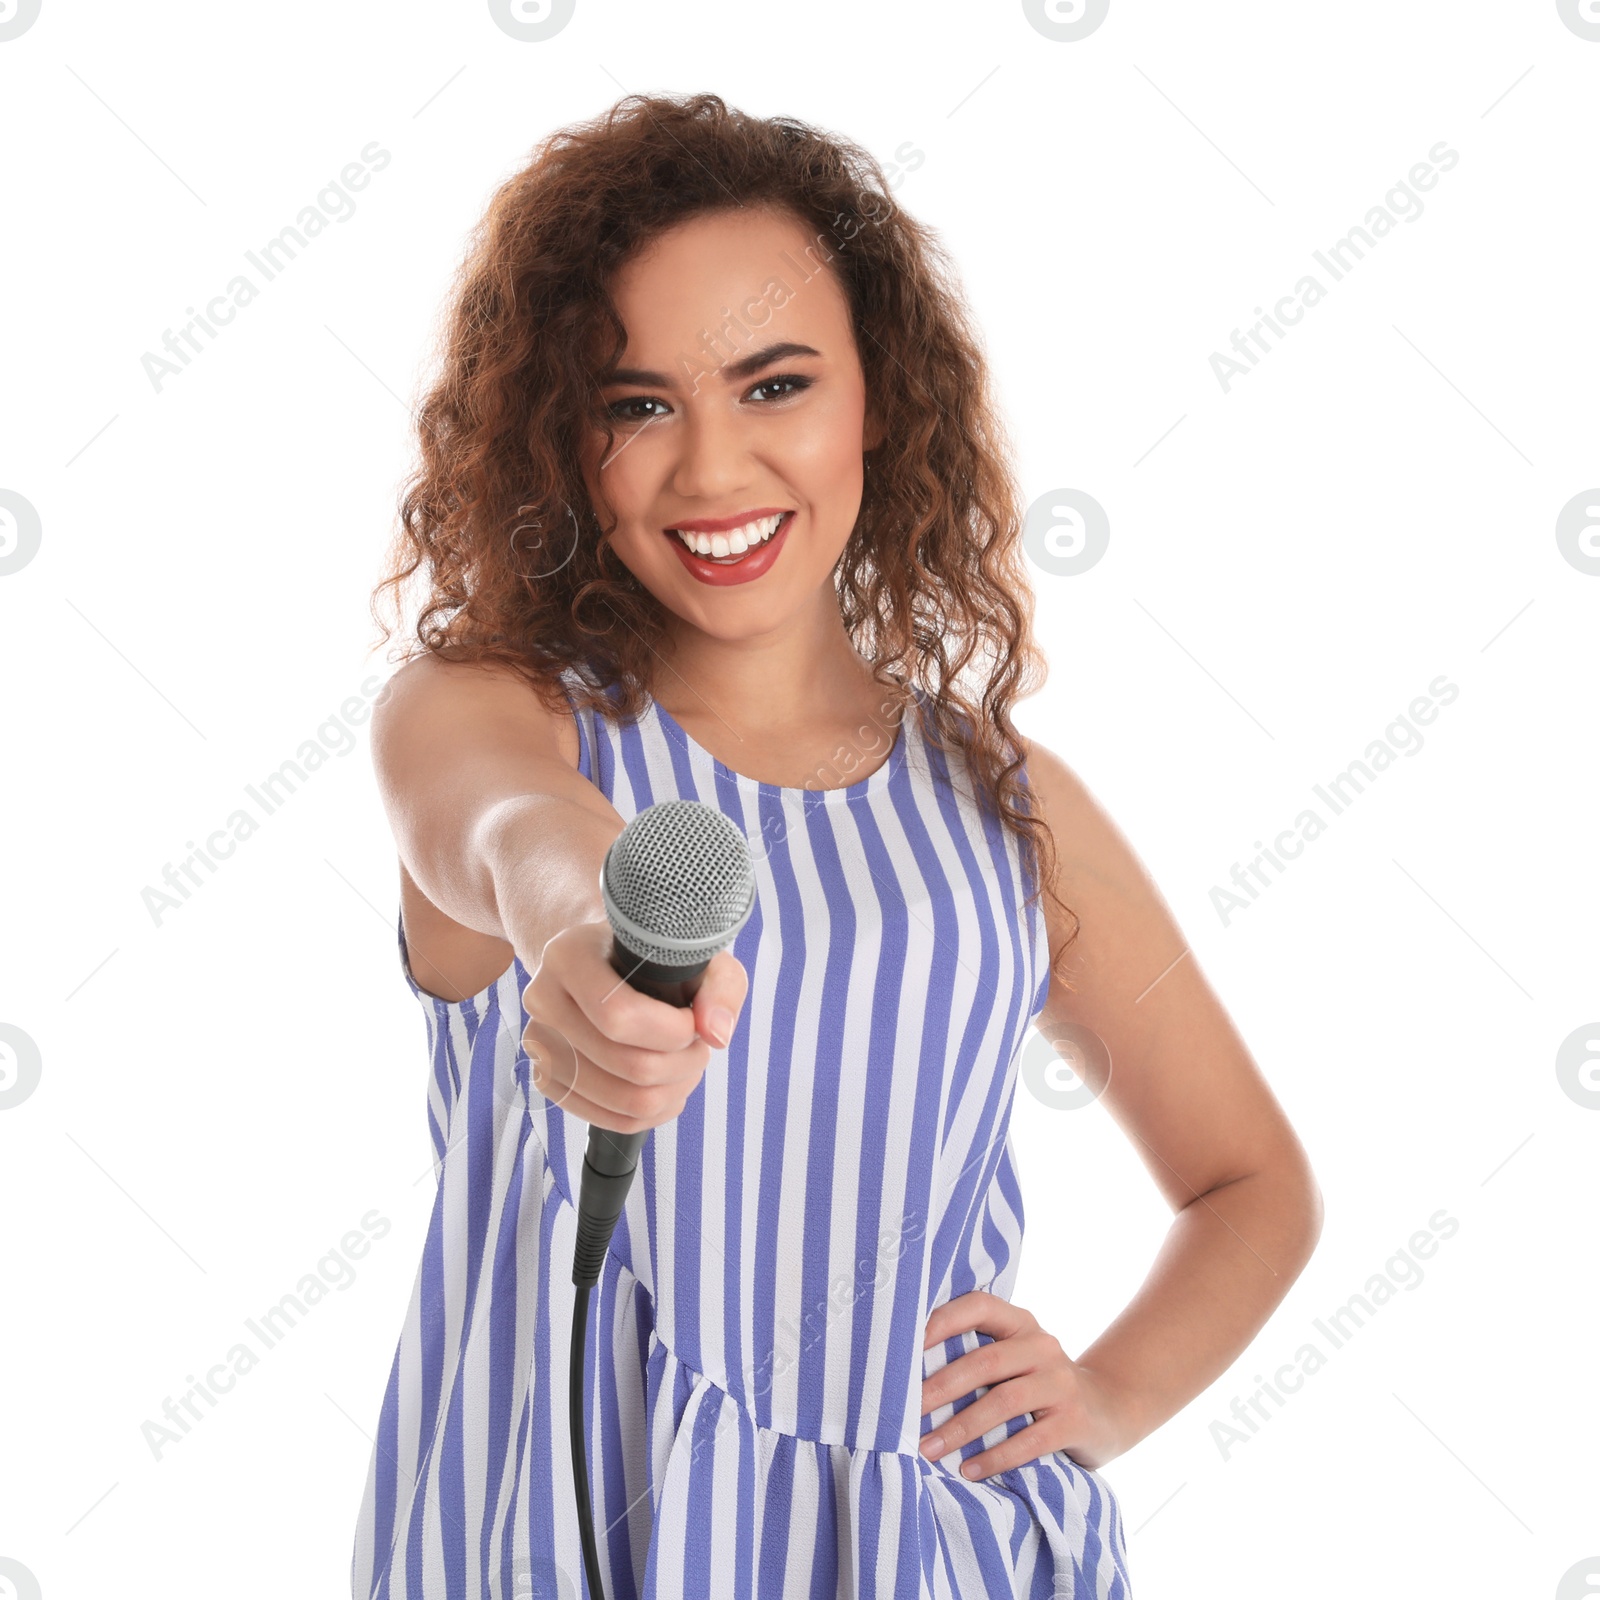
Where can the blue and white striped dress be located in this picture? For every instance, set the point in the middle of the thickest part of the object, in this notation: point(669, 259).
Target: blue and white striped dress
point(755, 1360)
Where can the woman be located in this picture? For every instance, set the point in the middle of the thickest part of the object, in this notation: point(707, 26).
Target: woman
point(714, 506)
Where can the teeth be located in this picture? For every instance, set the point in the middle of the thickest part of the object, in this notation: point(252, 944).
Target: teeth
point(736, 541)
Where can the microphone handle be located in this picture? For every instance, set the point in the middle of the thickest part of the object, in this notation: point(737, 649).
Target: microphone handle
point(612, 1158)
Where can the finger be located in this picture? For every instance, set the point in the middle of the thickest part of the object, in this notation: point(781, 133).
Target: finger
point(951, 1318)
point(720, 998)
point(584, 1090)
point(982, 1368)
point(562, 1093)
point(610, 1003)
point(1020, 1448)
point(559, 1064)
point(1014, 1398)
point(977, 1310)
point(562, 1031)
point(575, 1105)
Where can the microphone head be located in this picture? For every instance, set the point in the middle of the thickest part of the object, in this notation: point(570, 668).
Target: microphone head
point(678, 884)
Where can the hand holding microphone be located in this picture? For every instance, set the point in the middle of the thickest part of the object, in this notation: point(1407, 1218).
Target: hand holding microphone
point(625, 1061)
point(677, 884)
point(636, 1007)
point(609, 1053)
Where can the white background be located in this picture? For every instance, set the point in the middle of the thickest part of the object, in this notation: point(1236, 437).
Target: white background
point(224, 1096)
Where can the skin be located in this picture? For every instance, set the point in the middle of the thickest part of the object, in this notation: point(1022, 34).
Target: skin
point(710, 440)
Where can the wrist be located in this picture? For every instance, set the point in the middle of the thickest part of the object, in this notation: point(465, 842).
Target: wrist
point(544, 856)
point(1124, 1417)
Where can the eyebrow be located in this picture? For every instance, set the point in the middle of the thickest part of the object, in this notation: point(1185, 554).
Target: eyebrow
point(745, 367)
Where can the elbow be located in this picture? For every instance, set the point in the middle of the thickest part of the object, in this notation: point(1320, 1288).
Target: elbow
point(1315, 1206)
point(1304, 1208)
point(1292, 1198)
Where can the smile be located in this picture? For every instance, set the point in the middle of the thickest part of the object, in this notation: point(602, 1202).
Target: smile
point(732, 555)
point(735, 542)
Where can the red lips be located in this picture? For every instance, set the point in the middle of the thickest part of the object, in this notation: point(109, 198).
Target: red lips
point(726, 524)
point(746, 569)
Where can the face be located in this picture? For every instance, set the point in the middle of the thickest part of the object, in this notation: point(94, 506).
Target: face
point(740, 417)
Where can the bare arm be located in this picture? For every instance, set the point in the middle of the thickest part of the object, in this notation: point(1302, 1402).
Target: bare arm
point(1183, 1086)
point(493, 823)
point(501, 833)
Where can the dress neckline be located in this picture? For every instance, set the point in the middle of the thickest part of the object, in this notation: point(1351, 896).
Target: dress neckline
point(876, 780)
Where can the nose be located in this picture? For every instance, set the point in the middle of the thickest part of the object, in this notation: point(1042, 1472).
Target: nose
point(713, 458)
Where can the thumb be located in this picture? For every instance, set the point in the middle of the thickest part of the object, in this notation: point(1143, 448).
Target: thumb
point(720, 998)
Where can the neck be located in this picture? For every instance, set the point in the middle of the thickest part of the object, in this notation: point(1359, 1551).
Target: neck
point(787, 675)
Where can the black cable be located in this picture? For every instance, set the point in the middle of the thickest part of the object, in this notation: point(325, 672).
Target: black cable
point(580, 1470)
point(608, 1168)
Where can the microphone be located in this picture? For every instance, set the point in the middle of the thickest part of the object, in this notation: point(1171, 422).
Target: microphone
point(678, 886)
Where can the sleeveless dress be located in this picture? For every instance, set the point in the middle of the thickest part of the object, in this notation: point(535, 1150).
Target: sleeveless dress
point(754, 1359)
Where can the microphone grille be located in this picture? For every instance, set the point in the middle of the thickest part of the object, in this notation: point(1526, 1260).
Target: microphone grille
point(678, 883)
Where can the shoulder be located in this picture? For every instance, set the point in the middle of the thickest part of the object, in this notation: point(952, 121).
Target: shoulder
point(1123, 921)
point(428, 698)
point(1084, 831)
point(1053, 782)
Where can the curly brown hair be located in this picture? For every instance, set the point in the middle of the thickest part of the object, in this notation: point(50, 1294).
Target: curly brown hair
point(520, 570)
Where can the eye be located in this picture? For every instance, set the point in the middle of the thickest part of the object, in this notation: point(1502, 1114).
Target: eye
point(618, 408)
point(795, 379)
point(792, 383)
